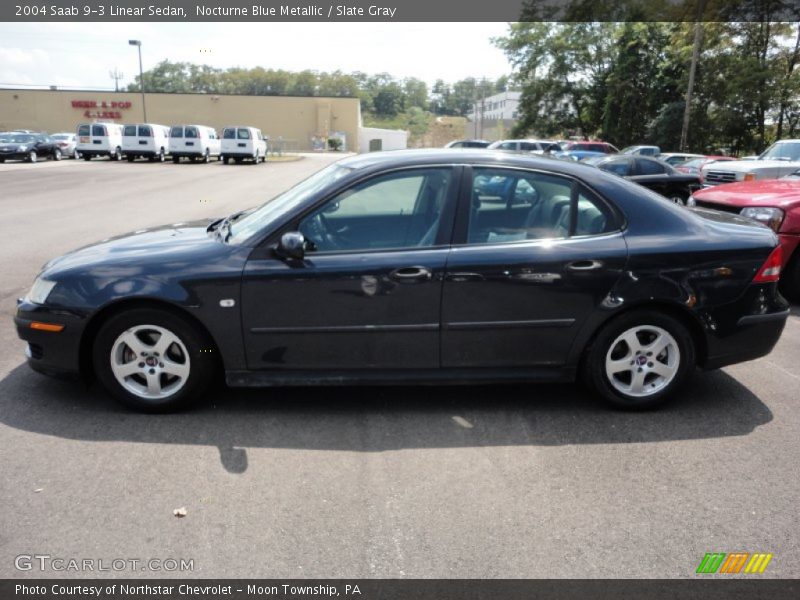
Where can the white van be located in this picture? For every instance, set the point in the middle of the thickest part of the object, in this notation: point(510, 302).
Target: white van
point(145, 140)
point(240, 142)
point(99, 139)
point(193, 142)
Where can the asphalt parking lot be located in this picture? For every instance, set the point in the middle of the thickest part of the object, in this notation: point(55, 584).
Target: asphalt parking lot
point(478, 482)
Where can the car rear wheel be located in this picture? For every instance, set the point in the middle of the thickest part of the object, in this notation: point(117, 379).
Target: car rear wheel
point(176, 159)
point(257, 159)
point(678, 199)
point(130, 158)
point(639, 359)
point(153, 360)
point(76, 155)
point(161, 156)
point(32, 157)
point(207, 157)
point(87, 157)
point(117, 155)
point(225, 160)
point(57, 154)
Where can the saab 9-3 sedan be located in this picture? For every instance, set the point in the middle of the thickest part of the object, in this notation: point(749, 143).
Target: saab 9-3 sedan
point(438, 266)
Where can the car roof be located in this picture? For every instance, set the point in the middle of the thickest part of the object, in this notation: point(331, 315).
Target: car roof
point(445, 156)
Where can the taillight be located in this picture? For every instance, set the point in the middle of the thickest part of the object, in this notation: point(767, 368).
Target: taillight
point(771, 269)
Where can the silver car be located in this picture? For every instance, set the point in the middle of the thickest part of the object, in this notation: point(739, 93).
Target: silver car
point(66, 143)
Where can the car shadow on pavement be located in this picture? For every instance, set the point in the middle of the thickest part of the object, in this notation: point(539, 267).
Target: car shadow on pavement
point(375, 419)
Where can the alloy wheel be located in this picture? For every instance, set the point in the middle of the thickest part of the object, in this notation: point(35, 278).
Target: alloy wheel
point(642, 361)
point(150, 361)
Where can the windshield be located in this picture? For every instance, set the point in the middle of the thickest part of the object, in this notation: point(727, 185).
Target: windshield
point(695, 163)
point(61, 136)
point(22, 139)
point(263, 216)
point(628, 149)
point(782, 151)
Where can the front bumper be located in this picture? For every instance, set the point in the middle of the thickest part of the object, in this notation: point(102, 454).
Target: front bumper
point(14, 155)
point(49, 352)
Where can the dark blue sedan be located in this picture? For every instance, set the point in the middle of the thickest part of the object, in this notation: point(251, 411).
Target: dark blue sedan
point(417, 266)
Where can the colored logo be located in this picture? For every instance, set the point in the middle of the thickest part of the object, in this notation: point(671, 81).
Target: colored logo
point(734, 562)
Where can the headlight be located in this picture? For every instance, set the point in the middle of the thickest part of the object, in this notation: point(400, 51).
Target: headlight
point(40, 290)
point(690, 201)
point(771, 217)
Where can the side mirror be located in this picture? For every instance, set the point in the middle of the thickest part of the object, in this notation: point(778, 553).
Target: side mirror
point(292, 245)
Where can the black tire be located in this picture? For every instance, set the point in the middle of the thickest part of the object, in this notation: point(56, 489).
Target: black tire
point(790, 278)
point(117, 154)
point(32, 156)
point(87, 157)
point(161, 156)
point(207, 157)
point(225, 160)
point(201, 357)
point(57, 154)
point(130, 157)
point(76, 155)
point(2, 160)
point(176, 159)
point(593, 367)
point(678, 198)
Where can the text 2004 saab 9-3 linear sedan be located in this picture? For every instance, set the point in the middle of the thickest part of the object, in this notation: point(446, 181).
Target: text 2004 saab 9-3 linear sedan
point(417, 267)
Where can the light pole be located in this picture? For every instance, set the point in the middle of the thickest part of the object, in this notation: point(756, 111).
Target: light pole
point(138, 44)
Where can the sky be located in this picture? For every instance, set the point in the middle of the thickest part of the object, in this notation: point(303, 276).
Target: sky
point(82, 54)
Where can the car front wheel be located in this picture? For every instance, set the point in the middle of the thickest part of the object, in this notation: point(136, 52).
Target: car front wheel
point(639, 359)
point(57, 154)
point(32, 156)
point(153, 360)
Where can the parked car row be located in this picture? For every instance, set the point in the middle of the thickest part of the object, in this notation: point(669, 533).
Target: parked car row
point(138, 140)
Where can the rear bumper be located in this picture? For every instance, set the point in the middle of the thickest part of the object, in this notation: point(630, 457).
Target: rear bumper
point(51, 353)
point(747, 329)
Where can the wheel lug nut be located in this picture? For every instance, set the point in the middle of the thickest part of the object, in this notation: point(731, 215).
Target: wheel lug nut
point(649, 354)
point(141, 365)
point(649, 364)
point(162, 365)
point(640, 369)
point(153, 371)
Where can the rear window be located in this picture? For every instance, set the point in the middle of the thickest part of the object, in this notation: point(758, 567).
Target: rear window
point(176, 132)
point(145, 131)
point(83, 130)
point(229, 134)
point(61, 136)
point(243, 134)
point(99, 130)
point(130, 130)
point(190, 132)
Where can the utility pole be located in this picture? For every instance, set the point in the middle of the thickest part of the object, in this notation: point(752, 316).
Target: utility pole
point(138, 44)
point(687, 110)
point(116, 75)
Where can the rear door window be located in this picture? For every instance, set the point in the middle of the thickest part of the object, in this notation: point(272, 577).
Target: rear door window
point(650, 167)
point(176, 132)
point(129, 131)
point(229, 133)
point(525, 205)
point(243, 134)
point(145, 131)
point(190, 132)
point(620, 167)
point(98, 130)
point(83, 130)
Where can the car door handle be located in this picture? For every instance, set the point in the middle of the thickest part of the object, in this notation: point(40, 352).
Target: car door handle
point(411, 274)
point(585, 265)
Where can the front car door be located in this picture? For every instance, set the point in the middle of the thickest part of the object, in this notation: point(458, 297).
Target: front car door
point(526, 270)
point(367, 293)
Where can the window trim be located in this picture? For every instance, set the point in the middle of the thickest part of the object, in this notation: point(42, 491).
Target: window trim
point(460, 230)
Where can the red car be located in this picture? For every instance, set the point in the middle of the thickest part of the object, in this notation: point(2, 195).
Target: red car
point(773, 202)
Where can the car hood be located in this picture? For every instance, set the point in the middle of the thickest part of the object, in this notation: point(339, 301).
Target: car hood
point(747, 166)
point(11, 146)
point(782, 193)
point(159, 248)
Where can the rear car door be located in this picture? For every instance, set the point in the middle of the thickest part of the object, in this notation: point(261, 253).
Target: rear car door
point(367, 294)
point(524, 274)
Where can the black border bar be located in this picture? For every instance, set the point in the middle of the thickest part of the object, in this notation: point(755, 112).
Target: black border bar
point(397, 10)
point(711, 588)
